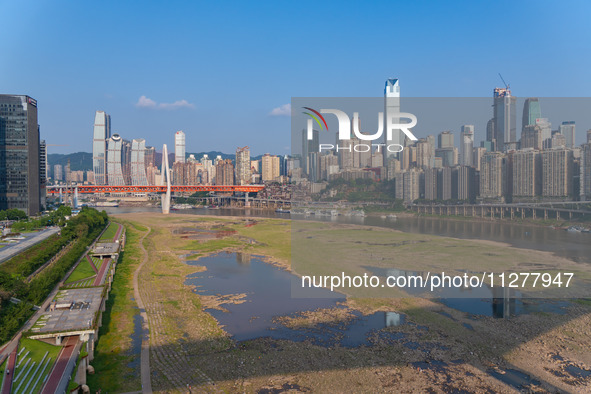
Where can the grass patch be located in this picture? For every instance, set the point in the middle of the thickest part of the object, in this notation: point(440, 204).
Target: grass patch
point(273, 238)
point(82, 271)
point(213, 245)
point(113, 349)
point(2, 369)
point(37, 350)
point(584, 301)
point(110, 232)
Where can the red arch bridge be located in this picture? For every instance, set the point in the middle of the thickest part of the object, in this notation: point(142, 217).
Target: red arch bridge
point(155, 189)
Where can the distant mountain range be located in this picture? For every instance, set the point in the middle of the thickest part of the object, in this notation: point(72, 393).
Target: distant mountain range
point(82, 161)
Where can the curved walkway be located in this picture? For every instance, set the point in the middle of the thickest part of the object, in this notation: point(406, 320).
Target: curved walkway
point(145, 354)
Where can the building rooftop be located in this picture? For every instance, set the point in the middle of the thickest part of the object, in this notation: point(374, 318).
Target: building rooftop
point(103, 248)
point(71, 310)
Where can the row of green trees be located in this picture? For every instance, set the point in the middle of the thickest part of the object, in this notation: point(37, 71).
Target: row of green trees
point(12, 214)
point(356, 190)
point(54, 218)
point(82, 230)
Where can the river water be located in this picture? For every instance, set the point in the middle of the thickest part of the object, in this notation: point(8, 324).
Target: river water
point(267, 288)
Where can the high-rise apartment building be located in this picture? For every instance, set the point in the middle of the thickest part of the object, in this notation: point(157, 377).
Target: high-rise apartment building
point(531, 137)
point(243, 172)
point(527, 173)
point(445, 139)
point(224, 172)
point(408, 185)
point(546, 128)
point(491, 175)
point(329, 165)
point(20, 178)
point(585, 188)
point(466, 145)
point(557, 173)
point(270, 167)
point(477, 156)
point(68, 172)
point(58, 174)
point(558, 141)
point(179, 146)
point(466, 183)
point(101, 134)
point(433, 179)
point(449, 183)
point(425, 153)
point(448, 156)
point(309, 146)
point(567, 129)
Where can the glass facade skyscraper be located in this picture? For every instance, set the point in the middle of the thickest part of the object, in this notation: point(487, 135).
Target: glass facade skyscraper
point(101, 133)
point(20, 177)
point(179, 147)
point(391, 110)
point(138, 166)
point(114, 170)
point(504, 119)
point(531, 112)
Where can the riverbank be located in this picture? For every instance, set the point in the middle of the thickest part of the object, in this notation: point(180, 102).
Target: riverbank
point(451, 349)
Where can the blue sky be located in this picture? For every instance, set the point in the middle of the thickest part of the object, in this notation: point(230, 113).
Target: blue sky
point(218, 69)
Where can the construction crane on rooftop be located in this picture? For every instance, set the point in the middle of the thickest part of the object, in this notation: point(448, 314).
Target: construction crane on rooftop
point(507, 86)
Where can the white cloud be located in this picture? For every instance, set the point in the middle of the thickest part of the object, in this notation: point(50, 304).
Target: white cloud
point(145, 102)
point(176, 104)
point(284, 110)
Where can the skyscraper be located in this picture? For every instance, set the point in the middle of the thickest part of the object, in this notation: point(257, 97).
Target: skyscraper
point(243, 166)
point(527, 173)
point(466, 144)
point(43, 172)
point(101, 133)
point(270, 166)
point(557, 173)
point(531, 112)
point(491, 175)
point(567, 129)
point(19, 154)
point(445, 139)
point(546, 128)
point(58, 174)
point(585, 190)
point(391, 111)
point(224, 170)
point(504, 119)
point(310, 146)
point(138, 166)
point(114, 170)
point(179, 146)
point(531, 137)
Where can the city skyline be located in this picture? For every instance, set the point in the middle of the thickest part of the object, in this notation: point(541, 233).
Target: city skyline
point(151, 93)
